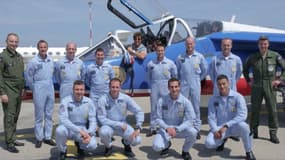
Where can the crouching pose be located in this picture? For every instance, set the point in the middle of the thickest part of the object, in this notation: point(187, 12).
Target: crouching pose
point(227, 113)
point(112, 114)
point(77, 115)
point(175, 117)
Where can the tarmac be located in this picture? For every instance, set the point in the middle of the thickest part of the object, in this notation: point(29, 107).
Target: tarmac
point(262, 147)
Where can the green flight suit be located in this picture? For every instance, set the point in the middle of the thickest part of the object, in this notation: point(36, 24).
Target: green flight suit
point(264, 72)
point(11, 84)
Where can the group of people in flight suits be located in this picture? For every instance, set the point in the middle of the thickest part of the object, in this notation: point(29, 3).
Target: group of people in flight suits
point(175, 98)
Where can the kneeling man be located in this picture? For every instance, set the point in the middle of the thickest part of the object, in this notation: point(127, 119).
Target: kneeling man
point(77, 115)
point(227, 113)
point(175, 118)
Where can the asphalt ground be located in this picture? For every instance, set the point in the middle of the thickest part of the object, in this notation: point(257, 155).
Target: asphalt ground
point(262, 147)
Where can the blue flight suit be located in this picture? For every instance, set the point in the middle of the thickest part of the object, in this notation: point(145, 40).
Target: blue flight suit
point(112, 114)
point(191, 70)
point(97, 78)
point(73, 117)
point(179, 114)
point(231, 111)
point(66, 72)
point(39, 76)
point(230, 66)
point(159, 72)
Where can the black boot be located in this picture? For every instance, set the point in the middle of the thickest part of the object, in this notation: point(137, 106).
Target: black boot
point(62, 155)
point(128, 150)
point(221, 147)
point(186, 156)
point(250, 156)
point(273, 137)
point(164, 152)
point(254, 131)
point(80, 152)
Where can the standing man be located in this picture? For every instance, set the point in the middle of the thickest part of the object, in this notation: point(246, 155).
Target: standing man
point(68, 70)
point(75, 112)
point(98, 76)
point(263, 66)
point(112, 113)
point(175, 117)
point(11, 88)
point(39, 78)
point(192, 68)
point(137, 49)
point(159, 71)
point(227, 113)
point(225, 63)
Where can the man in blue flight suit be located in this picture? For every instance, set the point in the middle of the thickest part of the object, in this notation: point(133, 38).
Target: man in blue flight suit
point(159, 71)
point(176, 118)
point(75, 112)
point(192, 68)
point(112, 114)
point(227, 113)
point(98, 76)
point(68, 69)
point(39, 76)
point(225, 63)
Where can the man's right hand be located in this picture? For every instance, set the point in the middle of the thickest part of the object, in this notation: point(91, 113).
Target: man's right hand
point(171, 132)
point(4, 98)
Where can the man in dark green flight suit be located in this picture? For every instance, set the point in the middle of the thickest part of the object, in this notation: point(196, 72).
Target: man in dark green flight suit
point(11, 86)
point(263, 65)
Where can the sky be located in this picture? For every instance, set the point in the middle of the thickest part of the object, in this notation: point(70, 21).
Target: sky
point(61, 21)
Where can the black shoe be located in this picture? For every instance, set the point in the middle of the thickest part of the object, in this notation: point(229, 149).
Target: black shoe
point(186, 155)
point(62, 155)
point(80, 152)
point(250, 156)
point(150, 133)
point(255, 133)
point(128, 150)
point(12, 149)
point(38, 144)
point(164, 152)
point(274, 138)
point(222, 146)
point(49, 142)
point(108, 152)
point(17, 143)
point(113, 139)
point(234, 138)
point(198, 136)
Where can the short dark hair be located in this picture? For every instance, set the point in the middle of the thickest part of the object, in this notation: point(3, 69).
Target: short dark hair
point(137, 34)
point(99, 50)
point(173, 80)
point(41, 41)
point(78, 82)
point(114, 79)
point(263, 38)
point(222, 76)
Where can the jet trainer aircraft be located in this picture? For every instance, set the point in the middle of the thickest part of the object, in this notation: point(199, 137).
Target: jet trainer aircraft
point(154, 23)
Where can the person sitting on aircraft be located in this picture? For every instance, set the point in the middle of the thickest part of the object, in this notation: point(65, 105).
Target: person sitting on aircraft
point(68, 69)
point(176, 118)
point(137, 49)
point(75, 112)
point(39, 77)
point(112, 113)
point(227, 113)
point(159, 71)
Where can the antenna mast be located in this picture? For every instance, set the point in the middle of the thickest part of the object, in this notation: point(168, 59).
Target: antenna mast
point(90, 24)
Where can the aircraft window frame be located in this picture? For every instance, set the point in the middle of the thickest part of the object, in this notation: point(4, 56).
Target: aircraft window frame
point(180, 33)
point(164, 37)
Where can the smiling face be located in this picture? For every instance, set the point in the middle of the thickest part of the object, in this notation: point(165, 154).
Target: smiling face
point(12, 42)
point(160, 52)
point(115, 87)
point(174, 89)
point(99, 57)
point(223, 86)
point(190, 45)
point(263, 46)
point(78, 92)
point(42, 47)
point(70, 51)
point(226, 47)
